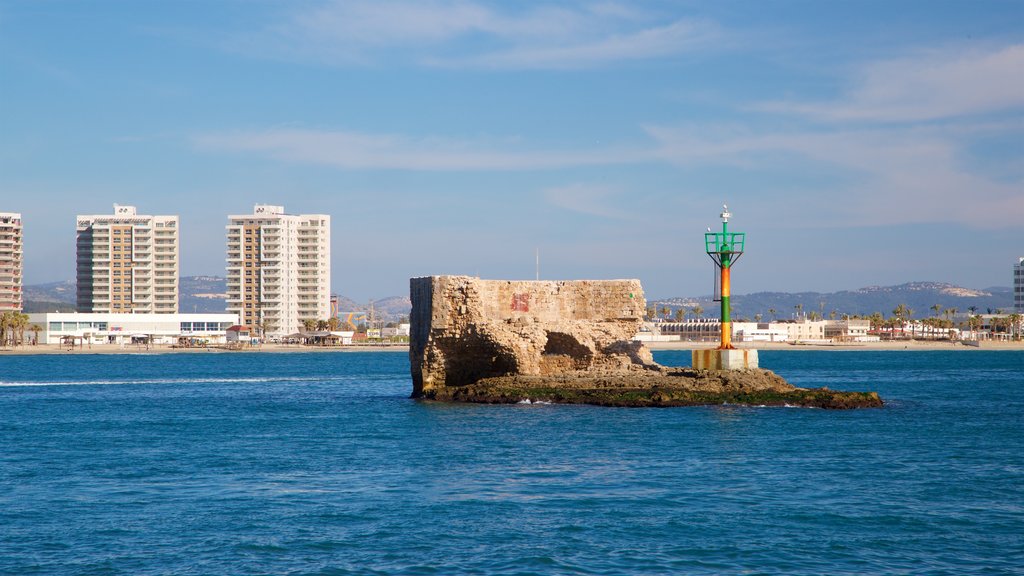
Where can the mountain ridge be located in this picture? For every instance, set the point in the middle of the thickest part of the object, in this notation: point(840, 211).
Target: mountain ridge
point(919, 296)
point(207, 294)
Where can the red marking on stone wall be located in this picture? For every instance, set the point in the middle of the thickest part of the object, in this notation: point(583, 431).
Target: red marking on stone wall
point(521, 302)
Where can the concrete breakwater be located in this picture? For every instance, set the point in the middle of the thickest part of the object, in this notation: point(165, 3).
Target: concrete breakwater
point(476, 340)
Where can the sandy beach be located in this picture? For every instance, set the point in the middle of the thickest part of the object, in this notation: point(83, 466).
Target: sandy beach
point(916, 345)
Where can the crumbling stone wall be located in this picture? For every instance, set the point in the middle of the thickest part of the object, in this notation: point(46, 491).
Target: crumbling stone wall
point(465, 329)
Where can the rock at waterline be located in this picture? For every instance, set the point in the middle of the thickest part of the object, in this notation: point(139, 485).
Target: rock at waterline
point(498, 341)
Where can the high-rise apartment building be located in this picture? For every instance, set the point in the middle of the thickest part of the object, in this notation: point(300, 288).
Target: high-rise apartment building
point(279, 269)
point(128, 263)
point(10, 262)
point(1018, 285)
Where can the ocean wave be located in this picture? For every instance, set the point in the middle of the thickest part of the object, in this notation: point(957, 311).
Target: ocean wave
point(255, 380)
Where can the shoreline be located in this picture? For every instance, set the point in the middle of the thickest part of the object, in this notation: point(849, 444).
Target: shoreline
point(899, 345)
point(916, 345)
point(57, 349)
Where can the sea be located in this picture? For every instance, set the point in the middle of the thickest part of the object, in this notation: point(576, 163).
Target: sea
point(320, 463)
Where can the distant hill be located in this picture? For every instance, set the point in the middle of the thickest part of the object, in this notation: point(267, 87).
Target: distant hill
point(202, 294)
point(59, 292)
point(38, 306)
point(390, 309)
point(208, 294)
point(918, 296)
point(198, 294)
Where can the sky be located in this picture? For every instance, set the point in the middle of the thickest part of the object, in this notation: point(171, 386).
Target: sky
point(856, 143)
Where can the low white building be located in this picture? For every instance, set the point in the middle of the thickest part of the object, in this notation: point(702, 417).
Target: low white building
point(850, 330)
point(395, 331)
point(759, 332)
point(112, 328)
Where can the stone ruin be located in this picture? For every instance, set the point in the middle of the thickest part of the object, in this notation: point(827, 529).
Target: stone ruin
point(465, 329)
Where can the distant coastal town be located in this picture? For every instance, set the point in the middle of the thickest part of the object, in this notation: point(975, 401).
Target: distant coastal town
point(277, 291)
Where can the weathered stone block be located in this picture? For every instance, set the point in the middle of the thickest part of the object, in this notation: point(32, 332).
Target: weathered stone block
point(465, 329)
point(724, 359)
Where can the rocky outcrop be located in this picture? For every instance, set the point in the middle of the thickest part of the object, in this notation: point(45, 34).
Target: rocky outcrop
point(476, 340)
point(465, 329)
point(657, 388)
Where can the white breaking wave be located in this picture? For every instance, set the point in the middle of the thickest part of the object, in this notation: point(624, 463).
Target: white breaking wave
point(172, 381)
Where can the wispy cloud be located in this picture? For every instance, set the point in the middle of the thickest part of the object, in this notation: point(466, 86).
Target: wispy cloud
point(937, 84)
point(588, 199)
point(461, 33)
point(359, 151)
point(882, 176)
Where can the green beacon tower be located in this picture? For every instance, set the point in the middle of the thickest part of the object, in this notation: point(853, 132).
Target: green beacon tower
point(724, 248)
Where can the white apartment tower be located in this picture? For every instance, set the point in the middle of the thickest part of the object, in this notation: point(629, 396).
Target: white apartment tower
point(10, 262)
point(128, 263)
point(279, 269)
point(1018, 285)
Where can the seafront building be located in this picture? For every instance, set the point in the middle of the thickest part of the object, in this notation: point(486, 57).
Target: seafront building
point(1018, 285)
point(10, 262)
point(128, 263)
point(803, 330)
point(278, 269)
point(140, 328)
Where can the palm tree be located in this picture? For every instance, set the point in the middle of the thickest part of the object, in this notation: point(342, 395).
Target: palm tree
point(20, 324)
point(974, 322)
point(897, 315)
point(5, 322)
point(697, 311)
point(12, 327)
point(772, 312)
point(680, 314)
point(332, 324)
point(36, 329)
point(1015, 325)
point(309, 324)
point(799, 309)
point(665, 311)
point(757, 318)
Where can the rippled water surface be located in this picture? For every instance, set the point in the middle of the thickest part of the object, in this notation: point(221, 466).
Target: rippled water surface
point(321, 464)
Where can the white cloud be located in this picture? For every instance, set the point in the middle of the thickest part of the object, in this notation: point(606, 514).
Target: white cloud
point(933, 85)
point(464, 33)
point(882, 176)
point(653, 42)
point(588, 199)
point(357, 151)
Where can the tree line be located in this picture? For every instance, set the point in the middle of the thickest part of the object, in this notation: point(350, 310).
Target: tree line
point(13, 326)
point(902, 315)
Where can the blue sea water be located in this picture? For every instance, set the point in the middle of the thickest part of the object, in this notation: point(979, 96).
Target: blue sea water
point(320, 464)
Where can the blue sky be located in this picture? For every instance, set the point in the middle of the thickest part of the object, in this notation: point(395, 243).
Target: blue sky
point(857, 143)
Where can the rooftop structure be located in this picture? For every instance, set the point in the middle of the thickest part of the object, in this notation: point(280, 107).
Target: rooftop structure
point(10, 262)
point(278, 269)
point(128, 262)
point(1018, 285)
